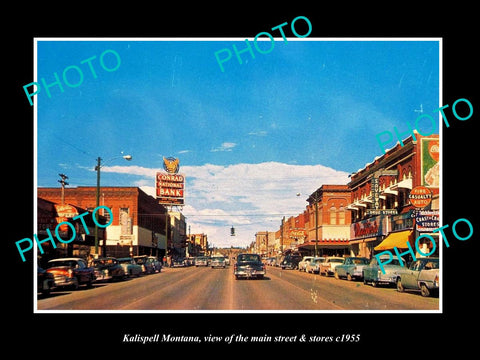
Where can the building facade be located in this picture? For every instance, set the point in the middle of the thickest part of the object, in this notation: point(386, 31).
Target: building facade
point(327, 222)
point(385, 211)
point(139, 225)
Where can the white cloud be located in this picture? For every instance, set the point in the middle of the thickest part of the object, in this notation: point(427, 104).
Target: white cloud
point(250, 197)
point(226, 146)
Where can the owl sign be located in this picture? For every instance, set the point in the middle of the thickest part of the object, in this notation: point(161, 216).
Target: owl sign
point(171, 165)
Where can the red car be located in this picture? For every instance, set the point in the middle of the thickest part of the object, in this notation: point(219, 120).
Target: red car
point(71, 272)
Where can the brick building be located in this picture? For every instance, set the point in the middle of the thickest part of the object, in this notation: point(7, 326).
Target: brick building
point(331, 232)
point(396, 173)
point(138, 226)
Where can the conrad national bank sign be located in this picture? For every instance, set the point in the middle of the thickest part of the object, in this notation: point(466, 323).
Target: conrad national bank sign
point(170, 185)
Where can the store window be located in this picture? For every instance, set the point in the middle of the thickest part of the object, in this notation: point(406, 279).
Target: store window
point(333, 215)
point(341, 216)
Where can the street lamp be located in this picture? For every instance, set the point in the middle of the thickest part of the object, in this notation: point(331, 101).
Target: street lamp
point(97, 200)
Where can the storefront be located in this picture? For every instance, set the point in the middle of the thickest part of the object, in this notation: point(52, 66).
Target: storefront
point(49, 215)
point(366, 234)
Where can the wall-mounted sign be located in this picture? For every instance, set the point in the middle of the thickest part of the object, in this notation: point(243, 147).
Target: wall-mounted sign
point(430, 166)
point(367, 228)
point(427, 220)
point(420, 196)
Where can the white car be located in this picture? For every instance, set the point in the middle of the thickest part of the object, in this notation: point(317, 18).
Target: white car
point(328, 266)
point(302, 265)
point(313, 266)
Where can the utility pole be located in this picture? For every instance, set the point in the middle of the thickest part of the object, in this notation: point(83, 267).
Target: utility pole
point(63, 182)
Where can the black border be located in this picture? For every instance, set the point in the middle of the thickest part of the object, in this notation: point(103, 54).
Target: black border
point(53, 334)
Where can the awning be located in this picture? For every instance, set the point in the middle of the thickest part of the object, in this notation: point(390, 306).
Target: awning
point(396, 239)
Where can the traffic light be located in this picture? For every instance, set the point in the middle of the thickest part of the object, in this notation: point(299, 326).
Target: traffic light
point(232, 231)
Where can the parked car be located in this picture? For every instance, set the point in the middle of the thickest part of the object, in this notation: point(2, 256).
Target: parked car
point(147, 266)
point(302, 265)
point(188, 261)
point(45, 281)
point(372, 273)
point(178, 262)
point(218, 261)
point(249, 266)
point(108, 268)
point(327, 267)
point(352, 268)
point(130, 267)
point(71, 272)
point(201, 261)
point(423, 275)
point(313, 266)
point(157, 265)
point(290, 262)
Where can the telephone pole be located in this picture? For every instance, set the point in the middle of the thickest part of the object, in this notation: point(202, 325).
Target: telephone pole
point(63, 182)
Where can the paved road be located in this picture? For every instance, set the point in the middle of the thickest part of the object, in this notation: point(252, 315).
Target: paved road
point(216, 289)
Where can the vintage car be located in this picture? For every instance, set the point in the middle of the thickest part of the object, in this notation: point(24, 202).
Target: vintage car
point(352, 268)
point(423, 275)
point(201, 261)
point(130, 267)
point(71, 272)
point(45, 281)
point(147, 266)
point(108, 268)
point(372, 273)
point(313, 266)
point(327, 267)
point(217, 261)
point(290, 262)
point(249, 266)
point(302, 265)
point(157, 265)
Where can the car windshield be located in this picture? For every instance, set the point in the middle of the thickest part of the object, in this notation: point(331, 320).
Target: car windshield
point(218, 259)
point(395, 262)
point(69, 263)
point(103, 262)
point(125, 261)
point(337, 260)
point(248, 257)
point(360, 261)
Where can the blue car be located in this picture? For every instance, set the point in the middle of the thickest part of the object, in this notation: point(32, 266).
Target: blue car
point(352, 268)
point(373, 273)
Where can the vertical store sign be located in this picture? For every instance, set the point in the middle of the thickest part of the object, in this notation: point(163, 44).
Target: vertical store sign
point(170, 185)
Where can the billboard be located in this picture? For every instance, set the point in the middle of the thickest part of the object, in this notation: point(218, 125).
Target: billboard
point(430, 154)
point(170, 188)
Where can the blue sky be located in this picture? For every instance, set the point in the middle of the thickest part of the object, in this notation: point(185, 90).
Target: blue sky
point(309, 109)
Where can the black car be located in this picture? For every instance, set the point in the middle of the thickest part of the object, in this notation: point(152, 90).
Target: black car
point(291, 262)
point(108, 268)
point(249, 266)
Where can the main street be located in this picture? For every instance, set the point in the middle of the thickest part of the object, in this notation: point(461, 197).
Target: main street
point(203, 288)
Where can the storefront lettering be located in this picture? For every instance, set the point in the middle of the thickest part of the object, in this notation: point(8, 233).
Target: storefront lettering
point(368, 228)
point(57, 233)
